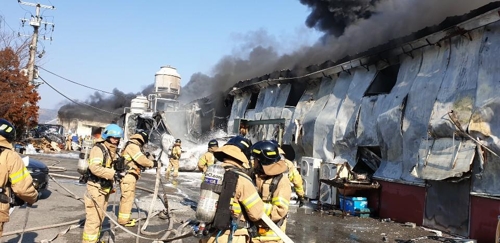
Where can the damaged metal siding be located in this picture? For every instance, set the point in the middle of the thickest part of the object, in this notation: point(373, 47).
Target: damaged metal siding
point(238, 109)
point(344, 131)
point(389, 121)
point(293, 133)
point(458, 90)
point(311, 138)
point(323, 129)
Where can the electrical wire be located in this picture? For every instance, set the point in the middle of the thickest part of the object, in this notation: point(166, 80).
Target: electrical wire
point(73, 81)
point(80, 104)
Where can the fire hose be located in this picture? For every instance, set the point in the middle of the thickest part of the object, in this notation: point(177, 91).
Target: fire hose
point(78, 223)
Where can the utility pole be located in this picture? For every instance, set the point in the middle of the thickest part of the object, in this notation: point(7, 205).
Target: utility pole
point(35, 21)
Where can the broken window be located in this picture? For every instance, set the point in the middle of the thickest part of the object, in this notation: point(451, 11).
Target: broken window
point(253, 101)
point(296, 92)
point(368, 160)
point(384, 81)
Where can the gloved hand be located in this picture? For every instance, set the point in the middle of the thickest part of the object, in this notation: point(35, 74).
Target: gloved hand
point(301, 201)
point(155, 164)
point(119, 175)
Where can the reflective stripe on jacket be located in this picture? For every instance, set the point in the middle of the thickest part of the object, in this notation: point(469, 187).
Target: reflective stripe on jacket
point(12, 169)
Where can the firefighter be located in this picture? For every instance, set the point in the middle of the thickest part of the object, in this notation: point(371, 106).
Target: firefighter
point(175, 156)
point(135, 161)
point(14, 177)
point(208, 158)
point(246, 205)
point(68, 142)
point(293, 175)
point(272, 183)
point(101, 179)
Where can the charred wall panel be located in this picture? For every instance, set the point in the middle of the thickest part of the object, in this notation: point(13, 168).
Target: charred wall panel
point(238, 109)
point(485, 180)
point(485, 122)
point(259, 107)
point(458, 90)
point(447, 206)
point(309, 136)
point(275, 98)
point(418, 109)
point(391, 108)
point(323, 128)
point(483, 218)
point(344, 135)
point(294, 132)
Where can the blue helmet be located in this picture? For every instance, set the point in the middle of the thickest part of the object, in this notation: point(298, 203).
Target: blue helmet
point(112, 130)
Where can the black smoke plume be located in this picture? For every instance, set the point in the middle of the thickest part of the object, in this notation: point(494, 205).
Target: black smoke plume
point(332, 17)
point(349, 27)
point(106, 105)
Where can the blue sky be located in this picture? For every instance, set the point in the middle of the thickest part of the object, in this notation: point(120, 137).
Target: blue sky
point(121, 44)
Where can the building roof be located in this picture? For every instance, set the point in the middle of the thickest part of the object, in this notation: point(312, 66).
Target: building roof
point(432, 35)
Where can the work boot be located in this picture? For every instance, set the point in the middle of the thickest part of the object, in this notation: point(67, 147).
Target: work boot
point(130, 223)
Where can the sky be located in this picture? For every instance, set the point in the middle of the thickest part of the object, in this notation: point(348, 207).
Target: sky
point(122, 44)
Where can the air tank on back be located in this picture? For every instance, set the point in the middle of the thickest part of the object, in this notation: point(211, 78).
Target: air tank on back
point(168, 82)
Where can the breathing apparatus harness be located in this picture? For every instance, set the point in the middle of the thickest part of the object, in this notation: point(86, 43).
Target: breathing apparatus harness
point(125, 165)
point(118, 165)
point(4, 198)
point(224, 219)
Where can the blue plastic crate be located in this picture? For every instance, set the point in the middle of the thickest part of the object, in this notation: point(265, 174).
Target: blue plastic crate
point(351, 204)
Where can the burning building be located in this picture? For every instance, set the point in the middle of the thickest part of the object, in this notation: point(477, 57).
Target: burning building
point(424, 105)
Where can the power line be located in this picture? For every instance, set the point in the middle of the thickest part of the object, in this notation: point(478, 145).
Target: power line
point(73, 81)
point(80, 104)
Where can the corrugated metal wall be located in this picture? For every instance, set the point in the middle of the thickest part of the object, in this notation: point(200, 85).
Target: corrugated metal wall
point(335, 117)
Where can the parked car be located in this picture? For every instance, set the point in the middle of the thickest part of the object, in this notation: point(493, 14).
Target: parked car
point(40, 173)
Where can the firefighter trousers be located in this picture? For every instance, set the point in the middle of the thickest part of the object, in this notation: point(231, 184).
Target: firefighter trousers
point(225, 238)
point(1, 230)
point(174, 164)
point(94, 213)
point(127, 188)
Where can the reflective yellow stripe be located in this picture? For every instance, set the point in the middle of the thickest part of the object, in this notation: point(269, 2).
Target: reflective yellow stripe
point(280, 201)
point(268, 208)
point(88, 237)
point(96, 161)
point(236, 208)
point(251, 201)
point(127, 157)
point(299, 190)
point(123, 215)
point(137, 156)
point(19, 175)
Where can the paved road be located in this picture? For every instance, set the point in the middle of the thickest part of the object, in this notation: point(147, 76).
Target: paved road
point(305, 224)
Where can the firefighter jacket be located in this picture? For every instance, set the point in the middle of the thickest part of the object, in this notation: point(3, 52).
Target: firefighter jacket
point(246, 198)
point(13, 172)
point(206, 160)
point(100, 169)
point(176, 152)
point(275, 191)
point(295, 178)
point(134, 157)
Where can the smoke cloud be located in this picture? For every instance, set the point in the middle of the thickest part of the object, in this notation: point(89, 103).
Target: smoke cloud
point(349, 27)
point(114, 103)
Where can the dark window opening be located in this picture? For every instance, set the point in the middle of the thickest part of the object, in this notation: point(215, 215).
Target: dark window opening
point(296, 92)
point(384, 81)
point(253, 101)
point(368, 160)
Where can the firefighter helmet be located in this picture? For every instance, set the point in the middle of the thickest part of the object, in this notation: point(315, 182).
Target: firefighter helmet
point(241, 142)
point(112, 130)
point(144, 134)
point(266, 152)
point(213, 143)
point(7, 130)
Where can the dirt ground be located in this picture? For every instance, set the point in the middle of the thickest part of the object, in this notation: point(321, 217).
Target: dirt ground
point(305, 224)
